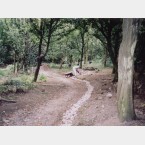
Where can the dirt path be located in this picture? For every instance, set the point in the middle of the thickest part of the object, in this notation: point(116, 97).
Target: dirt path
point(46, 104)
point(87, 101)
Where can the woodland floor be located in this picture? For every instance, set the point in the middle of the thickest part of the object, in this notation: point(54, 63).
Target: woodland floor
point(46, 104)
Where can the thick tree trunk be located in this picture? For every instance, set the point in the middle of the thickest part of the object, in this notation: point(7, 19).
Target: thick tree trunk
point(125, 70)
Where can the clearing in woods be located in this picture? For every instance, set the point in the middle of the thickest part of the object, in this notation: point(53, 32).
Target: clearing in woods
point(89, 100)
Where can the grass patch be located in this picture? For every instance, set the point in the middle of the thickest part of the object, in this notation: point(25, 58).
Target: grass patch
point(5, 72)
point(57, 66)
point(22, 83)
point(64, 69)
point(42, 78)
point(11, 83)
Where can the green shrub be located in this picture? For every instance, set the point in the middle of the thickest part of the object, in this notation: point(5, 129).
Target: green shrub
point(3, 89)
point(26, 78)
point(1, 73)
point(15, 85)
point(42, 78)
point(6, 71)
point(53, 65)
point(10, 68)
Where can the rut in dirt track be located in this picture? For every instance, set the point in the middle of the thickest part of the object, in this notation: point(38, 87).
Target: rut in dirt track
point(72, 112)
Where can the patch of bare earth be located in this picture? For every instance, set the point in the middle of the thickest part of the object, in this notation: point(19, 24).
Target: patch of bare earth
point(45, 104)
point(101, 108)
point(48, 104)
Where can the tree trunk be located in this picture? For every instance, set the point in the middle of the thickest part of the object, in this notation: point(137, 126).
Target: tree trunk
point(86, 56)
point(15, 64)
point(70, 61)
point(113, 59)
point(115, 72)
point(25, 61)
point(39, 58)
point(105, 58)
point(37, 69)
point(82, 52)
point(125, 70)
point(40, 55)
point(16, 68)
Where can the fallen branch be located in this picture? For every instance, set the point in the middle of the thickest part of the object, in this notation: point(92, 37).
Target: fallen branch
point(5, 100)
point(52, 85)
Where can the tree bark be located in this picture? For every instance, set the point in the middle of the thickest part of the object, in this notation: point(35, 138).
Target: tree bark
point(105, 57)
point(25, 61)
point(82, 51)
point(125, 70)
point(86, 55)
point(39, 58)
point(42, 56)
point(39, 61)
point(15, 63)
point(115, 72)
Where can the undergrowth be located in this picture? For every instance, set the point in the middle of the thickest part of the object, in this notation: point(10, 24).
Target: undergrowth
point(21, 83)
point(42, 78)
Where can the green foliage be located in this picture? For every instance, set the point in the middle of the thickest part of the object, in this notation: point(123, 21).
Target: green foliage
point(22, 83)
point(10, 68)
point(3, 89)
point(6, 71)
point(26, 78)
point(54, 65)
point(17, 42)
point(42, 78)
point(21, 86)
point(1, 73)
point(62, 40)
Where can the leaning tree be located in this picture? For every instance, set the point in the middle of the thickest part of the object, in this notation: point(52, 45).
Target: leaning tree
point(125, 69)
point(43, 29)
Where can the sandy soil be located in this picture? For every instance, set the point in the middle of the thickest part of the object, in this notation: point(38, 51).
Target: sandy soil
point(47, 104)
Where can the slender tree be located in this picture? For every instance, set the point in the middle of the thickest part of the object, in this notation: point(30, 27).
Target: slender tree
point(44, 31)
